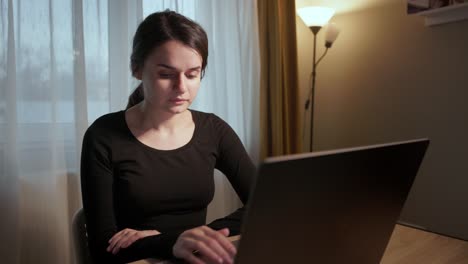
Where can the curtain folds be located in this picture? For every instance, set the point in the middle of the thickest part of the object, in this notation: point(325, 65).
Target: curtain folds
point(63, 63)
point(279, 87)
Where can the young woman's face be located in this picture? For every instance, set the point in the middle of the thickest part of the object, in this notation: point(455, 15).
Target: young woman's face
point(171, 77)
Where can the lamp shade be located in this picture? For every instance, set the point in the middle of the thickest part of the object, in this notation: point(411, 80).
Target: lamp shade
point(331, 34)
point(315, 15)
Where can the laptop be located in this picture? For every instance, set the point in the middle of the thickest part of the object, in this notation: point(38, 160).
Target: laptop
point(329, 207)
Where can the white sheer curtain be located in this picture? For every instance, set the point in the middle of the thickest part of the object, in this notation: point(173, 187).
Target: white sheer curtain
point(63, 64)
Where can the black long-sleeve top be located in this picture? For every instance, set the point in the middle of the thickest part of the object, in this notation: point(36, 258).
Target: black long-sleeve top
point(127, 184)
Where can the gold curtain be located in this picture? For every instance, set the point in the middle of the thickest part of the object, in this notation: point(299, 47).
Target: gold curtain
point(279, 85)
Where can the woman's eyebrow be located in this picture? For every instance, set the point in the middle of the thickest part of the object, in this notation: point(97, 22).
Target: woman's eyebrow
point(174, 68)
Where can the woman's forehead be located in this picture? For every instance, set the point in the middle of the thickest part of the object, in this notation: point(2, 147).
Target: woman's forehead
point(175, 55)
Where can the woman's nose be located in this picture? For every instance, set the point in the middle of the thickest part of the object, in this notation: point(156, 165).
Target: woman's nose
point(180, 83)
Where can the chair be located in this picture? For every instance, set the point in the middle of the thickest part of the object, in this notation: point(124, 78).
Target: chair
point(80, 239)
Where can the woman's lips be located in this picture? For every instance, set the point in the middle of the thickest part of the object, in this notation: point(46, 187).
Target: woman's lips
point(178, 101)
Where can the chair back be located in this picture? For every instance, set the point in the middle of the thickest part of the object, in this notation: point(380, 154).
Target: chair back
point(80, 238)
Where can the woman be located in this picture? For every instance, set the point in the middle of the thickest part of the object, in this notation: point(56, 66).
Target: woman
point(147, 172)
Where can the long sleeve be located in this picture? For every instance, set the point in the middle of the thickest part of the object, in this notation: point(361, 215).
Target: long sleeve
point(236, 164)
point(98, 202)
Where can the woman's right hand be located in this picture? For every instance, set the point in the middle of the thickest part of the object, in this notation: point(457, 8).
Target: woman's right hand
point(203, 245)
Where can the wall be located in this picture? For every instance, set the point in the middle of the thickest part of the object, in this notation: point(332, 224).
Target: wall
point(387, 78)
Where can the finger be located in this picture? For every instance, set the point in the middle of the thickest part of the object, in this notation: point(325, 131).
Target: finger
point(136, 235)
point(216, 244)
point(112, 246)
point(222, 246)
point(224, 232)
point(209, 261)
point(113, 243)
point(155, 233)
point(200, 246)
point(189, 257)
point(117, 244)
point(227, 247)
point(211, 241)
point(230, 246)
point(122, 241)
point(114, 240)
point(130, 240)
point(115, 236)
point(227, 243)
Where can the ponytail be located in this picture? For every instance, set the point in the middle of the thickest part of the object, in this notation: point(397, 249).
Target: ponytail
point(136, 97)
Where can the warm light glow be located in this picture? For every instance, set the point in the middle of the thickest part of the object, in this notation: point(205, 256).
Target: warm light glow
point(331, 34)
point(315, 15)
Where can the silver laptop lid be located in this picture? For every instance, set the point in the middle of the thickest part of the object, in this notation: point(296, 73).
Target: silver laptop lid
point(329, 207)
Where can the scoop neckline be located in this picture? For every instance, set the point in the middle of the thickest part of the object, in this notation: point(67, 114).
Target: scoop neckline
point(167, 151)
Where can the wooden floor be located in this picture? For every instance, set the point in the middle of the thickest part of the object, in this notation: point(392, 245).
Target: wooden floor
point(413, 246)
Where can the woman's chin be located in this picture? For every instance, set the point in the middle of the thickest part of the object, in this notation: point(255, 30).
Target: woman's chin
point(178, 109)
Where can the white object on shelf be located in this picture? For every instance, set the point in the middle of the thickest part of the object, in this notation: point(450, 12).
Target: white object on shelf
point(445, 14)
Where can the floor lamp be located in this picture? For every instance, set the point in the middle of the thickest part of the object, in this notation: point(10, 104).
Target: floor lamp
point(315, 18)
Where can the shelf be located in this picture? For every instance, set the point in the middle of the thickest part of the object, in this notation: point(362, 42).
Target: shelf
point(445, 14)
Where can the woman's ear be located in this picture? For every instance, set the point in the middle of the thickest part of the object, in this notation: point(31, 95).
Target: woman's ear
point(136, 72)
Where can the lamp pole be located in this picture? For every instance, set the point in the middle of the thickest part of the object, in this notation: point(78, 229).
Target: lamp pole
point(315, 17)
point(315, 30)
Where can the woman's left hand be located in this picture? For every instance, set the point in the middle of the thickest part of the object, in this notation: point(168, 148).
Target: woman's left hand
point(126, 237)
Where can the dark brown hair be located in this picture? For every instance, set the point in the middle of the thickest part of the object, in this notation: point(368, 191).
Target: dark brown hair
point(157, 29)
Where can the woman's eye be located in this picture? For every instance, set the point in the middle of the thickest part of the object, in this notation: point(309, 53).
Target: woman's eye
point(192, 75)
point(166, 75)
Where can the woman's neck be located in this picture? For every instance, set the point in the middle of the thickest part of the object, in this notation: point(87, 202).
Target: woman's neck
point(162, 121)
